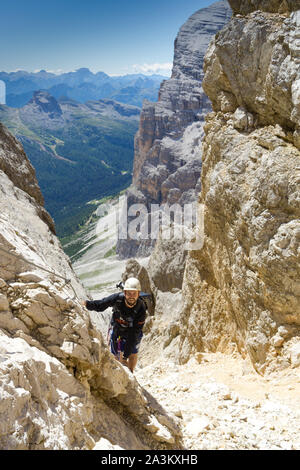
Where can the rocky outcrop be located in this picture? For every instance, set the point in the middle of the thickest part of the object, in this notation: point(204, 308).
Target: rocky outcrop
point(21, 173)
point(264, 82)
point(45, 103)
point(241, 290)
point(43, 110)
point(167, 161)
point(60, 386)
point(272, 6)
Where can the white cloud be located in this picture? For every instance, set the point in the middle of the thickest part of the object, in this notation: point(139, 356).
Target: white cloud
point(20, 69)
point(24, 69)
point(149, 69)
point(56, 72)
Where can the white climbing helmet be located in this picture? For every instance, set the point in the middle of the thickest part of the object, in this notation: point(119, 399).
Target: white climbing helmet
point(132, 284)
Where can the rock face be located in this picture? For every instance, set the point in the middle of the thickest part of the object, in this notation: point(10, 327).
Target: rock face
point(167, 161)
point(43, 111)
point(273, 6)
point(264, 82)
point(46, 103)
point(242, 290)
point(60, 386)
point(21, 173)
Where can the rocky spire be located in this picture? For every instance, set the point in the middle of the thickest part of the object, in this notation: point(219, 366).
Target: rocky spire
point(167, 161)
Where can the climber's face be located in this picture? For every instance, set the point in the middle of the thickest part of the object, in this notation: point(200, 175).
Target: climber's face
point(131, 297)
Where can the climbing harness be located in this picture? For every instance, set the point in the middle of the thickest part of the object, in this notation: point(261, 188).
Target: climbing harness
point(119, 342)
point(115, 343)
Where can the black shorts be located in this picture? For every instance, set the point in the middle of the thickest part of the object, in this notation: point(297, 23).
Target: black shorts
point(117, 343)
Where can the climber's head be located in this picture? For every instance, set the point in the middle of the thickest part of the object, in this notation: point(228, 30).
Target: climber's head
point(132, 288)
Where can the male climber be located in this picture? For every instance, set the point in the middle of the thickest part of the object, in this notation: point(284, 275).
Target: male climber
point(129, 314)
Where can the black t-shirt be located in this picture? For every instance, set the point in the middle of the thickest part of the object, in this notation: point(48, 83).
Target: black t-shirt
point(127, 322)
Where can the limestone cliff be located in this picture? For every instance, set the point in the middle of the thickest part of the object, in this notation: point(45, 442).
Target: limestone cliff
point(60, 386)
point(21, 173)
point(167, 160)
point(242, 289)
point(272, 6)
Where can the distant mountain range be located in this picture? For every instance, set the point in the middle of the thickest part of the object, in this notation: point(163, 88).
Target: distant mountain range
point(81, 85)
point(81, 151)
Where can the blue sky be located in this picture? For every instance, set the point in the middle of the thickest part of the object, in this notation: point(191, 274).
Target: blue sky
point(117, 37)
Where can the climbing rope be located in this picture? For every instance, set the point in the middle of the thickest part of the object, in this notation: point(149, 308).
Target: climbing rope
point(53, 273)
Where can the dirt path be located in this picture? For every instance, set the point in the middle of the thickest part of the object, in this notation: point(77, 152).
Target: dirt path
point(222, 403)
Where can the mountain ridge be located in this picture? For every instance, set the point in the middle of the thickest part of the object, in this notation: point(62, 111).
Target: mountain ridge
point(81, 85)
point(73, 146)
